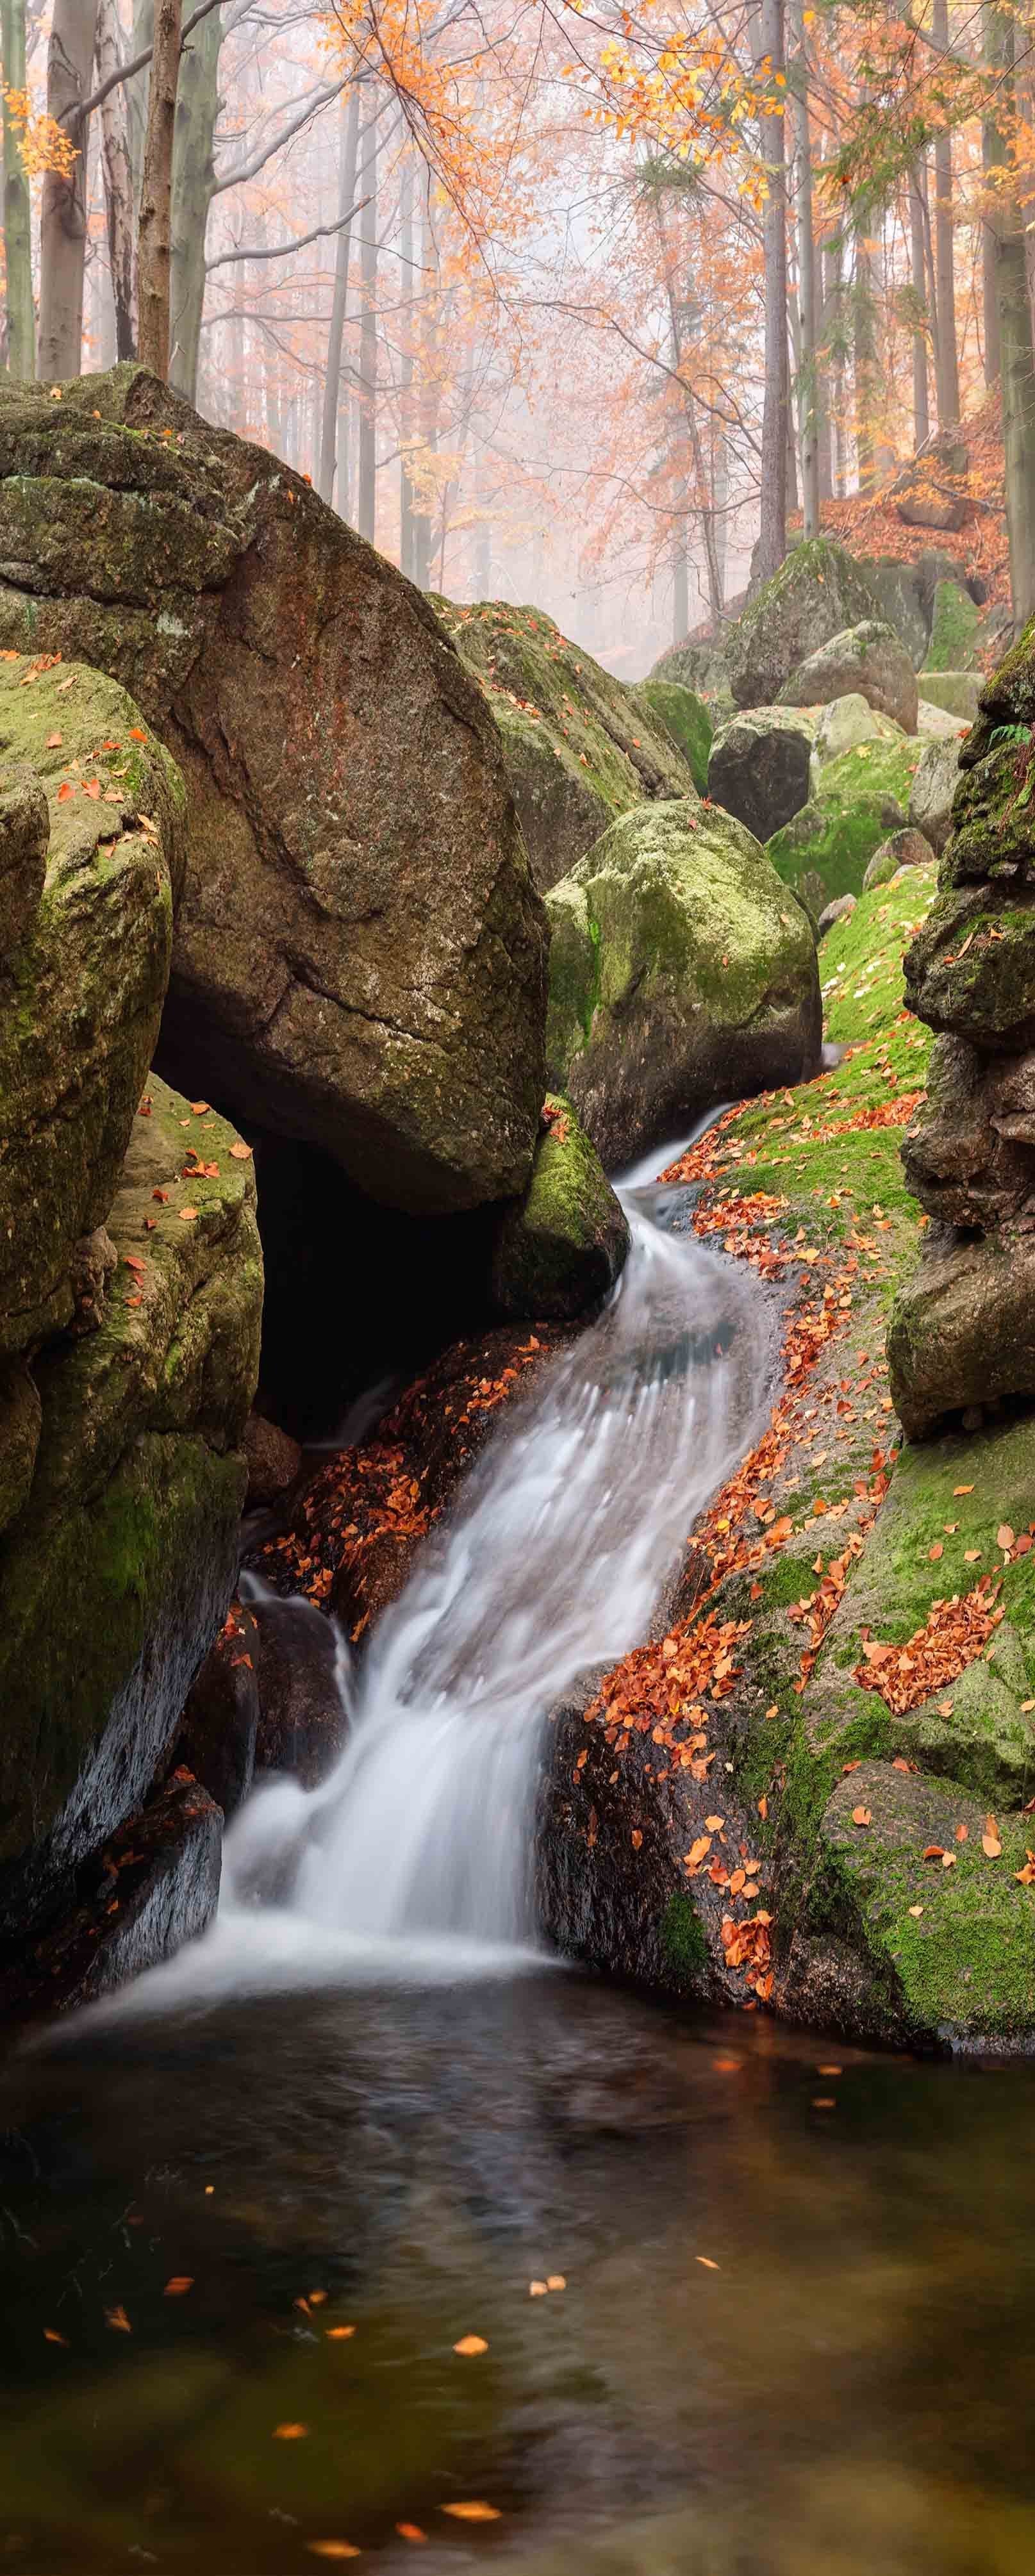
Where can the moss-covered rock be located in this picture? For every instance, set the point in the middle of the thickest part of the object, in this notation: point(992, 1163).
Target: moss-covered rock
point(957, 693)
point(903, 599)
point(963, 1329)
point(972, 968)
point(91, 849)
point(906, 849)
point(817, 592)
point(702, 668)
point(561, 1248)
point(759, 767)
point(578, 747)
point(848, 721)
point(115, 1573)
point(360, 952)
point(19, 1437)
point(681, 971)
point(685, 716)
point(954, 624)
point(858, 799)
point(868, 661)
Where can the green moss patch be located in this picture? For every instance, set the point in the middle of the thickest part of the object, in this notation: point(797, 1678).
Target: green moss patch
point(860, 797)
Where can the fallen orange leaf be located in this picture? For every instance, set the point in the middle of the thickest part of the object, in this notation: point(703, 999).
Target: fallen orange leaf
point(470, 2344)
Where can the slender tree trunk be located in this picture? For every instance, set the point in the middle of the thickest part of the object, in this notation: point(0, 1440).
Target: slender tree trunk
point(809, 390)
point(918, 275)
point(680, 587)
point(867, 387)
point(991, 19)
point(428, 389)
point(1015, 331)
point(406, 529)
point(118, 181)
point(767, 28)
point(138, 90)
point(155, 237)
point(348, 149)
point(63, 210)
point(720, 487)
point(193, 176)
point(21, 319)
point(948, 387)
point(366, 500)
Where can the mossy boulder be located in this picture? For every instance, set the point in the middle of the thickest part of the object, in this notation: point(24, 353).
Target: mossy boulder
point(957, 693)
point(116, 1570)
point(578, 747)
point(759, 767)
point(91, 851)
point(686, 717)
point(847, 721)
point(700, 667)
point(867, 660)
point(971, 969)
point(360, 951)
point(817, 592)
point(906, 849)
point(903, 600)
point(561, 1248)
point(954, 626)
point(681, 972)
point(858, 799)
point(962, 1332)
point(932, 792)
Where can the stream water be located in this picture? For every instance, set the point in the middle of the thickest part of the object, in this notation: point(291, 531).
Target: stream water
point(737, 2300)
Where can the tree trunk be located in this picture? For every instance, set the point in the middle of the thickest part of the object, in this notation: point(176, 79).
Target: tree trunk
point(118, 181)
point(21, 319)
point(348, 147)
point(808, 386)
point(138, 90)
point(63, 209)
point(406, 529)
point(991, 21)
point(154, 269)
point(867, 389)
point(948, 383)
point(680, 587)
point(1015, 332)
point(428, 389)
point(918, 276)
point(193, 175)
point(768, 47)
point(366, 498)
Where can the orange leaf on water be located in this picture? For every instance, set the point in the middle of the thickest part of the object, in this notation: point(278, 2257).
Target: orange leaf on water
point(181, 2281)
point(410, 2531)
point(117, 2318)
point(470, 2344)
point(472, 2512)
point(290, 2432)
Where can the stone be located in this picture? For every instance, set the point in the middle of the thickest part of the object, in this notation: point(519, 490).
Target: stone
point(700, 667)
point(969, 1151)
point(302, 1719)
point(934, 724)
point(898, 589)
point(153, 1886)
point(681, 974)
point(963, 1329)
point(907, 849)
point(932, 792)
point(83, 980)
point(758, 768)
point(971, 968)
point(847, 721)
point(857, 800)
point(924, 505)
point(220, 1721)
point(360, 952)
point(561, 1248)
point(20, 1417)
point(686, 717)
point(867, 660)
point(954, 623)
point(817, 592)
point(842, 910)
point(115, 1574)
point(577, 746)
point(274, 1460)
point(957, 693)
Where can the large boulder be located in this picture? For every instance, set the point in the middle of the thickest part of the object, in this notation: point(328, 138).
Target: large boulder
point(115, 1573)
point(858, 799)
point(867, 660)
point(91, 849)
point(563, 1244)
point(906, 849)
point(955, 620)
point(700, 667)
point(933, 789)
point(847, 721)
point(759, 766)
point(360, 950)
point(685, 716)
point(814, 596)
point(957, 693)
point(681, 974)
point(578, 748)
point(902, 601)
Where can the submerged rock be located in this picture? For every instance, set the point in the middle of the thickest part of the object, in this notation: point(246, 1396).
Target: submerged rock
point(759, 765)
point(817, 592)
point(868, 661)
point(578, 747)
point(563, 1245)
point(360, 950)
point(681, 973)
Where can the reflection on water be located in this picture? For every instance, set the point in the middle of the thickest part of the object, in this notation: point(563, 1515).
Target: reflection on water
point(851, 2389)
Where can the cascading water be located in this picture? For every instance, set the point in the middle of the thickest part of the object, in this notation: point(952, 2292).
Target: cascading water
point(552, 1560)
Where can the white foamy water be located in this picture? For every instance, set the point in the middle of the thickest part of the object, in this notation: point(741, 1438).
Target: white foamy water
point(414, 1856)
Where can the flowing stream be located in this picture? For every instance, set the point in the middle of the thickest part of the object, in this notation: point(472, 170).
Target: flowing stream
point(419, 1844)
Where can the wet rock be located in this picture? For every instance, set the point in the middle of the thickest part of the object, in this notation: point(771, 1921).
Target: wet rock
point(359, 957)
point(907, 849)
point(616, 1905)
point(842, 910)
point(578, 748)
point(932, 792)
point(866, 660)
point(817, 592)
point(561, 1248)
point(681, 973)
point(274, 1460)
point(87, 898)
point(302, 1718)
point(758, 768)
point(685, 716)
point(20, 1417)
point(220, 1719)
point(154, 1886)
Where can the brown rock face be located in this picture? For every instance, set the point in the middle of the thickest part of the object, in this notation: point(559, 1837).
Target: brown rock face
point(360, 950)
